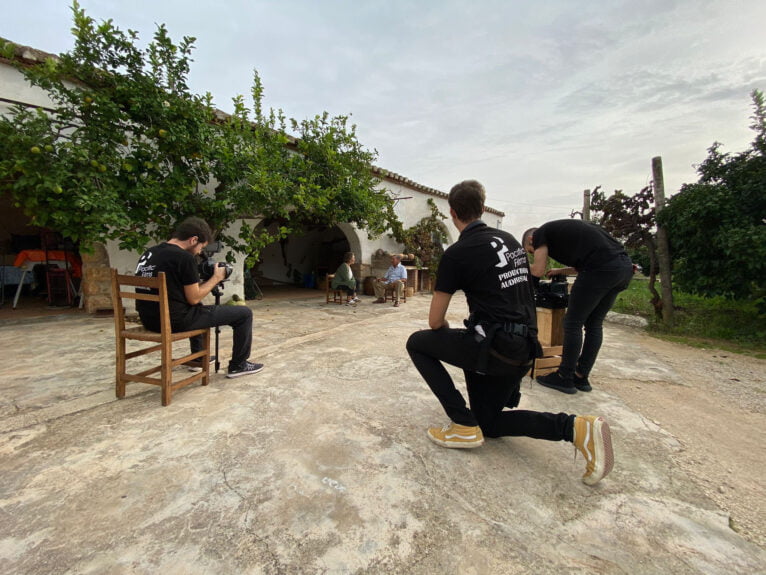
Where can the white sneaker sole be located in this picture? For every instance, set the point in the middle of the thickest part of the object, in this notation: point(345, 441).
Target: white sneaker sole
point(468, 444)
point(602, 443)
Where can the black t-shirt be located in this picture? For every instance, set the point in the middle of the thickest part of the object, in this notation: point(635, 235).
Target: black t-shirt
point(578, 244)
point(180, 269)
point(491, 267)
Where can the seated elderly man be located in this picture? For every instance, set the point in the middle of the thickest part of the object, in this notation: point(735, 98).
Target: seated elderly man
point(394, 278)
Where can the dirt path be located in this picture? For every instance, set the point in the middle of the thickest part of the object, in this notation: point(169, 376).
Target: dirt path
point(716, 408)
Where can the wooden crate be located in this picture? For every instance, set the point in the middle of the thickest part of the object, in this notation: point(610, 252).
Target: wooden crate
point(549, 362)
point(550, 326)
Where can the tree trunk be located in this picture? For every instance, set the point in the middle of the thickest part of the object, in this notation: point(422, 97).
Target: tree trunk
point(651, 247)
point(662, 243)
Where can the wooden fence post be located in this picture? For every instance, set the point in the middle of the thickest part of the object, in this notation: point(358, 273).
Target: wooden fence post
point(586, 205)
point(663, 249)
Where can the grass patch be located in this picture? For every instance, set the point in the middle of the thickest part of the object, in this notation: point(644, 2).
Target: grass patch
point(699, 321)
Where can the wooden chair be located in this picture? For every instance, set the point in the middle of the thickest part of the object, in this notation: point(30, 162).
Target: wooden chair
point(388, 293)
point(58, 280)
point(123, 287)
point(335, 295)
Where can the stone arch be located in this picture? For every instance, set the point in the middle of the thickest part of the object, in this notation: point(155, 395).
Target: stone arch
point(355, 245)
point(305, 257)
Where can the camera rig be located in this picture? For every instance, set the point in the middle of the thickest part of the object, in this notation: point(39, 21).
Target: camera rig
point(206, 268)
point(552, 294)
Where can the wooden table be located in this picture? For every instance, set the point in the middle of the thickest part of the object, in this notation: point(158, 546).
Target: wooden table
point(416, 277)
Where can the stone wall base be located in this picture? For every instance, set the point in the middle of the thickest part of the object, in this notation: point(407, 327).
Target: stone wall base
point(96, 280)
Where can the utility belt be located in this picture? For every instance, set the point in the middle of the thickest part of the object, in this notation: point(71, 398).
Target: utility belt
point(485, 332)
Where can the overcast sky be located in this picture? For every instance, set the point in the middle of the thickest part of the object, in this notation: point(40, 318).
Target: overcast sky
point(538, 100)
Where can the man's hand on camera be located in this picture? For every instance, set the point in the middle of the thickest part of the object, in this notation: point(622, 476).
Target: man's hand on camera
point(220, 273)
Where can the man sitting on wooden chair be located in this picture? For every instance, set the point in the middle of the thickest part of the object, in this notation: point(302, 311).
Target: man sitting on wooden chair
point(394, 278)
point(185, 293)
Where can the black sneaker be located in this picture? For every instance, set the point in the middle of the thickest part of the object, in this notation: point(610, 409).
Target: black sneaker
point(247, 369)
point(195, 365)
point(582, 383)
point(555, 381)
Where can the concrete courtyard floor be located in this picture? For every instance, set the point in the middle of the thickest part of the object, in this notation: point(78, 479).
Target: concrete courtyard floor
point(320, 463)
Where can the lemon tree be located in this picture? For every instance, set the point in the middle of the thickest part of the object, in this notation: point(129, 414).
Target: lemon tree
point(127, 150)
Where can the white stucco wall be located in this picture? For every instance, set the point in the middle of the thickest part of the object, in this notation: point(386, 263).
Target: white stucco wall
point(409, 211)
point(125, 262)
point(13, 86)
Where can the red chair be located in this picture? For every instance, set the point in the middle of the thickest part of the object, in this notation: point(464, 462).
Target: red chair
point(58, 280)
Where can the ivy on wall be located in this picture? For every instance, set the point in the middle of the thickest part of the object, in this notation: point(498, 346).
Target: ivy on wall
point(425, 239)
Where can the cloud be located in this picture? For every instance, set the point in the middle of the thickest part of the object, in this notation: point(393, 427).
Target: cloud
point(537, 100)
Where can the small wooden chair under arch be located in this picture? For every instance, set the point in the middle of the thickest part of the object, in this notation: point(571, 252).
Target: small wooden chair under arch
point(335, 295)
point(123, 287)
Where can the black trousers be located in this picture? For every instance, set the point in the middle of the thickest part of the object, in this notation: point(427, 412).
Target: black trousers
point(488, 393)
point(593, 295)
point(240, 318)
point(348, 289)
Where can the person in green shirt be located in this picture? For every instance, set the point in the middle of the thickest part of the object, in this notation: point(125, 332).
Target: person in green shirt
point(344, 278)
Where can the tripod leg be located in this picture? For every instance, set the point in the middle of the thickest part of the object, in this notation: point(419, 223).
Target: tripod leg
point(217, 293)
point(217, 355)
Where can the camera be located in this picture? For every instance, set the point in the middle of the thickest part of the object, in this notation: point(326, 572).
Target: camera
point(553, 294)
point(207, 269)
